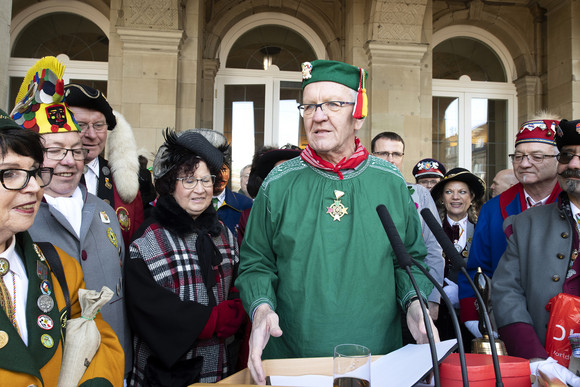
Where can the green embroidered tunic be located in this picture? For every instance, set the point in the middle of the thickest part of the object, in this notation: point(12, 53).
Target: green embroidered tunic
point(330, 281)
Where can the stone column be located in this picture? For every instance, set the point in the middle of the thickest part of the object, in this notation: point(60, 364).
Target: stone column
point(563, 52)
point(397, 102)
point(210, 68)
point(143, 66)
point(190, 87)
point(5, 16)
point(529, 96)
point(399, 57)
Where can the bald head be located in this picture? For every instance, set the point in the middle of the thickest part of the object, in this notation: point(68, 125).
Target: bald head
point(502, 181)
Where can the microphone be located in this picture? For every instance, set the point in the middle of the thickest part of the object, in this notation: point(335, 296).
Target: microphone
point(457, 260)
point(405, 262)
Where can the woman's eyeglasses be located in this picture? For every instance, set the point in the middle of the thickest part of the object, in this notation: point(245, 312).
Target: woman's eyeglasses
point(190, 182)
point(16, 179)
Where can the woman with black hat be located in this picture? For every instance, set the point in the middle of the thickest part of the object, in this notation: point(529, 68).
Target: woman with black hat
point(458, 198)
point(179, 277)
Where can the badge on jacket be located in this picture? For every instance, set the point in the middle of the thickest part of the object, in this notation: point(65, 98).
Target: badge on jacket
point(104, 217)
point(112, 237)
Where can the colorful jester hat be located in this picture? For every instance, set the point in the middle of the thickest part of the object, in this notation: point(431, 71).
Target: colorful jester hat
point(40, 102)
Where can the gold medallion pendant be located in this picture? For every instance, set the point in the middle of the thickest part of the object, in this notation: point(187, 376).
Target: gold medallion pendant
point(337, 210)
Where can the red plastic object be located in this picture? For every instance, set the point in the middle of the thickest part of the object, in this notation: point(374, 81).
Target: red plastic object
point(515, 371)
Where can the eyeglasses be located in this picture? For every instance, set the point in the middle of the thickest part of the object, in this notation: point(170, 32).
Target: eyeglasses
point(395, 155)
point(97, 126)
point(534, 158)
point(17, 179)
point(60, 153)
point(308, 109)
point(190, 182)
point(565, 157)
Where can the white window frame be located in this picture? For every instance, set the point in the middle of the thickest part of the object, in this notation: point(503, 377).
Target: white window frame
point(271, 79)
point(465, 89)
point(85, 70)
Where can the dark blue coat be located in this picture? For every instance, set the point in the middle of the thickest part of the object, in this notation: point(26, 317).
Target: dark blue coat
point(232, 208)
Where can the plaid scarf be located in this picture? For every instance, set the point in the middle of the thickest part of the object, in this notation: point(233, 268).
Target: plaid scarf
point(360, 154)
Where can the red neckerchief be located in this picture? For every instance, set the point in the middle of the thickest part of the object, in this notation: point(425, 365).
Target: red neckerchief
point(507, 196)
point(359, 155)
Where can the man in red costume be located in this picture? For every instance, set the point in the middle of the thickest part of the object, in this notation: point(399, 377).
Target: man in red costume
point(534, 164)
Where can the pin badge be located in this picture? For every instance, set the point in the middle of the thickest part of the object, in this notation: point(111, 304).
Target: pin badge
point(45, 303)
point(41, 270)
point(108, 183)
point(45, 287)
point(45, 322)
point(3, 339)
point(106, 171)
point(104, 217)
point(124, 220)
point(47, 340)
point(4, 266)
point(39, 252)
point(306, 70)
point(112, 237)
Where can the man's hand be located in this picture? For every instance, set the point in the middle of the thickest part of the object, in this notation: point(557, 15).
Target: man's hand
point(548, 372)
point(417, 325)
point(434, 310)
point(265, 324)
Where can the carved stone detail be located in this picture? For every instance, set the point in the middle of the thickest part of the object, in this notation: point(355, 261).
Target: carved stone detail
point(396, 20)
point(151, 13)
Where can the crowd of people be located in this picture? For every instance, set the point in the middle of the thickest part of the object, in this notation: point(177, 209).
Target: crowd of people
point(206, 281)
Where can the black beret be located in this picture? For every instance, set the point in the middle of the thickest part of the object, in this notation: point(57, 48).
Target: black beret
point(567, 133)
point(89, 98)
point(180, 146)
point(219, 141)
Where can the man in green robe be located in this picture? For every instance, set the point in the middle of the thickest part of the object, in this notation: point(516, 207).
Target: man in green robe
point(316, 267)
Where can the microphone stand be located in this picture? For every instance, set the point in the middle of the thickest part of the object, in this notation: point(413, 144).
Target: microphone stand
point(404, 260)
point(452, 254)
point(456, 326)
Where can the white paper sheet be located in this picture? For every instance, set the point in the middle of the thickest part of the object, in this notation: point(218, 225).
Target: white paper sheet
point(404, 367)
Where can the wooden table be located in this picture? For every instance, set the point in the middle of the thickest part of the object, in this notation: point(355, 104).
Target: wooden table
point(286, 367)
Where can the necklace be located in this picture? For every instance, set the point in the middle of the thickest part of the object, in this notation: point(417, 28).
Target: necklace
point(11, 312)
point(13, 315)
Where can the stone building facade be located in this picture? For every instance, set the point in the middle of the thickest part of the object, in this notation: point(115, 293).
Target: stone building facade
point(454, 78)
